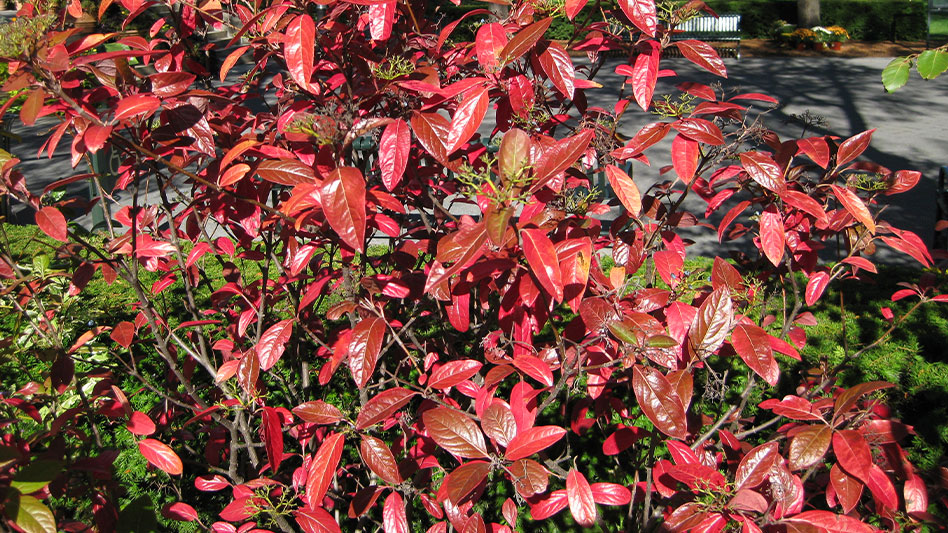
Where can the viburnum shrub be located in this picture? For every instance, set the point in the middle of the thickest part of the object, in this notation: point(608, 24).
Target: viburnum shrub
point(329, 344)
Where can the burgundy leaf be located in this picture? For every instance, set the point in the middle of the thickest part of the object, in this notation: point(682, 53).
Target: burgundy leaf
point(499, 423)
point(756, 465)
point(468, 117)
point(524, 40)
point(809, 446)
point(530, 478)
point(286, 172)
point(852, 147)
point(179, 511)
point(140, 424)
point(377, 455)
point(853, 453)
point(273, 437)
point(826, 521)
point(383, 405)
point(53, 223)
point(343, 200)
point(701, 130)
point(848, 488)
point(659, 401)
point(381, 17)
point(645, 74)
point(752, 344)
point(856, 207)
point(322, 468)
point(316, 520)
point(534, 367)
point(488, 44)
point(394, 519)
point(455, 432)
point(452, 373)
point(762, 168)
point(882, 488)
point(558, 67)
point(140, 104)
point(168, 84)
point(465, 478)
point(848, 398)
point(558, 158)
point(703, 55)
point(815, 287)
point(318, 412)
point(772, 235)
point(551, 505)
point(364, 348)
point(610, 494)
point(685, 154)
point(625, 189)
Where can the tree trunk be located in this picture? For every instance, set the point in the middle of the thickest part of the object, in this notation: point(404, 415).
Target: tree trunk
point(808, 13)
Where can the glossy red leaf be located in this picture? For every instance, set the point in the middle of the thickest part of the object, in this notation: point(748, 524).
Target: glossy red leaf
point(580, 497)
point(903, 180)
point(642, 14)
point(533, 440)
point(381, 17)
point(915, 495)
point(853, 147)
point(855, 206)
point(394, 146)
point(286, 172)
point(685, 154)
point(488, 44)
point(31, 107)
point(378, 456)
point(316, 520)
point(298, 50)
point(210, 483)
point(848, 398)
point(549, 506)
point(809, 446)
point(233, 174)
point(534, 367)
point(703, 55)
point(625, 189)
point(752, 344)
point(343, 199)
point(140, 424)
point(364, 347)
point(140, 104)
point(541, 256)
point(558, 158)
point(499, 423)
point(432, 129)
point(756, 465)
point(53, 223)
point(509, 510)
point(272, 437)
point(882, 488)
point(828, 522)
point(645, 74)
point(762, 168)
point(318, 412)
point(815, 287)
point(848, 488)
point(816, 149)
point(465, 478)
point(168, 84)
point(529, 477)
point(701, 130)
point(712, 323)
point(394, 519)
point(853, 453)
point(160, 455)
point(468, 117)
point(806, 204)
point(273, 343)
point(793, 407)
point(610, 494)
point(659, 401)
point(772, 235)
point(558, 67)
point(383, 405)
point(179, 511)
point(455, 432)
point(524, 40)
point(453, 372)
point(322, 468)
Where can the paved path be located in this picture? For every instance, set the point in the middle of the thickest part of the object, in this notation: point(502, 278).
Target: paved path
point(911, 124)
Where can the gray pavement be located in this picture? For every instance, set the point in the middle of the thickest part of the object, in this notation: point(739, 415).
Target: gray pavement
point(911, 124)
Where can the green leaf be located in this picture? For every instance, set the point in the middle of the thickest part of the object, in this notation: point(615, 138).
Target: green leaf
point(32, 515)
point(931, 63)
point(896, 73)
point(35, 476)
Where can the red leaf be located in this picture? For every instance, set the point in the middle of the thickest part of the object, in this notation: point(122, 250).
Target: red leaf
point(703, 55)
point(140, 424)
point(853, 453)
point(809, 446)
point(855, 206)
point(53, 223)
point(298, 50)
point(534, 367)
point(685, 153)
point(364, 348)
point(381, 17)
point(464, 479)
point(524, 40)
point(393, 153)
point(343, 199)
point(316, 520)
point(530, 478)
point(499, 423)
point(915, 494)
point(139, 104)
point(659, 401)
point(816, 149)
point(772, 235)
point(701, 130)
point(230, 61)
point(816, 286)
point(645, 74)
point(31, 106)
point(273, 343)
point(826, 521)
point(432, 131)
point(755, 466)
point(468, 117)
point(272, 437)
point(286, 172)
point(848, 398)
point(753, 345)
point(211, 483)
point(541, 256)
point(452, 373)
point(610, 494)
point(848, 489)
point(394, 519)
point(558, 158)
point(711, 324)
point(625, 189)
point(852, 147)
point(488, 44)
point(762, 168)
point(805, 203)
point(161, 456)
point(533, 440)
point(382, 405)
point(904, 180)
point(642, 14)
point(322, 468)
point(377, 455)
point(552, 504)
point(318, 412)
point(233, 174)
point(168, 84)
point(455, 432)
point(793, 407)
point(179, 511)
point(882, 488)
point(558, 67)
point(580, 497)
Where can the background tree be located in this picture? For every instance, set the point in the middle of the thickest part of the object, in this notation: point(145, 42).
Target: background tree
point(808, 13)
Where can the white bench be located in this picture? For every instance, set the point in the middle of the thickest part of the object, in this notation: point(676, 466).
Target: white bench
point(721, 29)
